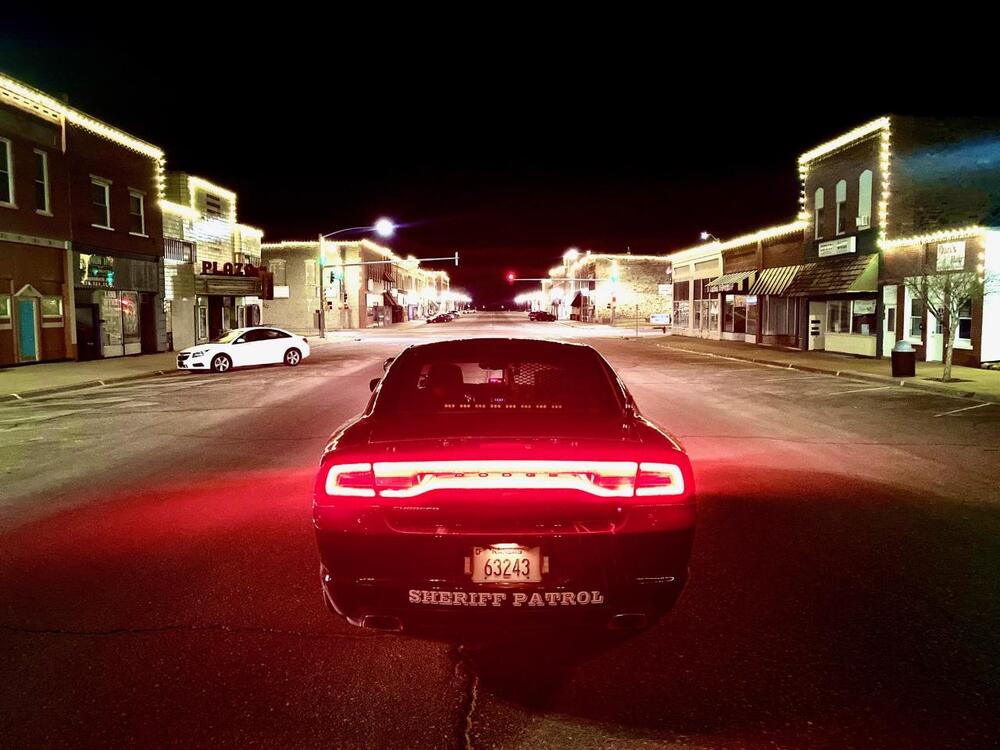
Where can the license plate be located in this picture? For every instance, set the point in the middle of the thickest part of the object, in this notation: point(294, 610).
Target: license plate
point(506, 563)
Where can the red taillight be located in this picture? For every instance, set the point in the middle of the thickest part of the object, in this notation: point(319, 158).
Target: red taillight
point(350, 480)
point(407, 479)
point(659, 479)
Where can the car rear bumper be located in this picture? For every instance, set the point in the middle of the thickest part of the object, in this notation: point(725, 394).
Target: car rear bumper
point(410, 581)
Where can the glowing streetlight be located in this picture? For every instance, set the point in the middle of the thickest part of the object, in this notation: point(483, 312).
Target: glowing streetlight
point(709, 236)
point(384, 227)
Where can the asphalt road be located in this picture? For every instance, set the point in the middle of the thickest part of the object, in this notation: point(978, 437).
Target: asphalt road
point(158, 577)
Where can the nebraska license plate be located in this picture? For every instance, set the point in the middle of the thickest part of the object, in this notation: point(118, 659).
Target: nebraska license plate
point(506, 563)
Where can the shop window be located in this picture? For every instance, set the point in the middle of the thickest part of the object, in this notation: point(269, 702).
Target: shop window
point(6, 174)
point(752, 311)
point(52, 308)
point(100, 192)
point(842, 207)
point(780, 316)
point(4, 309)
point(916, 319)
point(42, 182)
point(310, 270)
point(137, 212)
point(838, 316)
point(965, 322)
point(277, 268)
point(130, 317)
point(818, 212)
point(863, 317)
point(713, 314)
point(865, 200)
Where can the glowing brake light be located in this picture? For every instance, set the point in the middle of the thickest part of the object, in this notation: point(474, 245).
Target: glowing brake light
point(350, 480)
point(659, 479)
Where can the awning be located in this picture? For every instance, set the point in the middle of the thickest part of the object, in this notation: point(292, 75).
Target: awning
point(389, 300)
point(838, 276)
point(577, 300)
point(728, 280)
point(774, 280)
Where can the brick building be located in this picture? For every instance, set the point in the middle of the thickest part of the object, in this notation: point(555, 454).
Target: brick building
point(81, 241)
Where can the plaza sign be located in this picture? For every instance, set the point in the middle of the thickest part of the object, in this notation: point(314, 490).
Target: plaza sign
point(211, 268)
point(836, 247)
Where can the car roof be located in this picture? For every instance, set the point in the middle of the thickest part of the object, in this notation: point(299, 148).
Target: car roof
point(449, 346)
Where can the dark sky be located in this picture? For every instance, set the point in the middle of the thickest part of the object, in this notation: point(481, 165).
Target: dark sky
point(508, 150)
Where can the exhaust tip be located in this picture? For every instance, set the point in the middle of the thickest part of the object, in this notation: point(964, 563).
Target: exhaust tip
point(628, 621)
point(382, 622)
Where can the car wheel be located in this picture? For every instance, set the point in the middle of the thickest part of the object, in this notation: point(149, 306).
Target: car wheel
point(221, 363)
point(293, 357)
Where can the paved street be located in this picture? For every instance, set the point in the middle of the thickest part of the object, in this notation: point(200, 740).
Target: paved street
point(158, 574)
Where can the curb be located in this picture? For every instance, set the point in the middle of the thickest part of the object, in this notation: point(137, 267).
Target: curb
point(864, 376)
point(86, 384)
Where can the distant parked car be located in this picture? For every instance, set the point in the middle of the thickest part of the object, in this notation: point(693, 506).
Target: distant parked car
point(541, 315)
point(244, 347)
point(440, 318)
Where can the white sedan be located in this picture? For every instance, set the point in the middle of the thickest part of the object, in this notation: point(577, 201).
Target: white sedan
point(242, 347)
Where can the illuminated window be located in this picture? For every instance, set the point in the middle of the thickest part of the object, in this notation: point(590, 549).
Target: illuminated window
point(916, 319)
point(137, 212)
point(865, 200)
point(818, 212)
point(965, 322)
point(6, 174)
point(5, 309)
point(213, 205)
point(100, 198)
point(842, 207)
point(42, 182)
point(52, 307)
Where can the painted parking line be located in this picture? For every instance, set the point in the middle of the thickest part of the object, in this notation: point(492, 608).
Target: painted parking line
point(964, 408)
point(862, 390)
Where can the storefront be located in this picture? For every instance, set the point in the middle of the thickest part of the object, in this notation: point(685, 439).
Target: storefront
point(739, 308)
point(32, 303)
point(118, 300)
point(909, 267)
point(840, 298)
point(778, 315)
point(227, 297)
point(696, 308)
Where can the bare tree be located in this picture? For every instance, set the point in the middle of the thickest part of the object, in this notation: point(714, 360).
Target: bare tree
point(944, 295)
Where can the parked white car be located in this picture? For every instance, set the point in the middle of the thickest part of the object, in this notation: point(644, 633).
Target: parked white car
point(244, 347)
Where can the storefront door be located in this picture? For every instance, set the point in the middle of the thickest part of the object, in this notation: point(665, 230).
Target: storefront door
point(888, 319)
point(817, 325)
point(935, 339)
point(27, 329)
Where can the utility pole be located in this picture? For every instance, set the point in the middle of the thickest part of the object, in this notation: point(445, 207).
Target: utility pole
point(637, 320)
point(322, 291)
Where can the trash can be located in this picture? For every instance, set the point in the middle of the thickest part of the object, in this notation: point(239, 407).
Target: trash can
point(904, 360)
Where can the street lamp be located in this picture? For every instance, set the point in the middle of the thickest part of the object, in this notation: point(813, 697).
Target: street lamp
point(709, 236)
point(383, 228)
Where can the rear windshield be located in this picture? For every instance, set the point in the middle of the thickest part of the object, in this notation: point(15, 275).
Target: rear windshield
point(499, 379)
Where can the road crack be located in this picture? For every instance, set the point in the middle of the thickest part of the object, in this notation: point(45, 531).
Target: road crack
point(465, 669)
point(188, 627)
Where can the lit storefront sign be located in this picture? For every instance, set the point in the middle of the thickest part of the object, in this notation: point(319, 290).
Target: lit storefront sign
point(837, 247)
point(951, 256)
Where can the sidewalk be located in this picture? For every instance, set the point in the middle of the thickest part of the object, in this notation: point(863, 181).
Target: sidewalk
point(983, 385)
point(55, 377)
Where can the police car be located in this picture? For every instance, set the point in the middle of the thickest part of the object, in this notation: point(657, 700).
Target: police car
point(502, 483)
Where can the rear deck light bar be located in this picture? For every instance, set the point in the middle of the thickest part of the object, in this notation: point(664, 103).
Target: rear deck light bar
point(407, 479)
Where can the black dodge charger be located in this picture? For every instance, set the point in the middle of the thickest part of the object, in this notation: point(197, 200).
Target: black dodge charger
point(502, 483)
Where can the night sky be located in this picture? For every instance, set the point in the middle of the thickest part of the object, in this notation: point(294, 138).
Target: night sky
point(507, 150)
